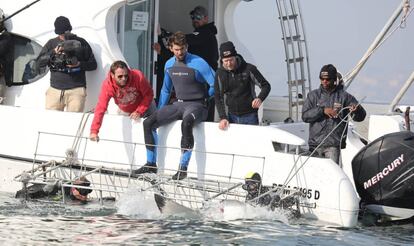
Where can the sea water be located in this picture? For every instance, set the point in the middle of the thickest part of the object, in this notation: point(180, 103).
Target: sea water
point(135, 220)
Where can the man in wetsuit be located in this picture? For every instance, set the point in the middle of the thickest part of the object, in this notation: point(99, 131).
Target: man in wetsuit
point(188, 74)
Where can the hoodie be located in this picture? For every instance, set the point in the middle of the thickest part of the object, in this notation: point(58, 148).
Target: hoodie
point(135, 96)
point(203, 42)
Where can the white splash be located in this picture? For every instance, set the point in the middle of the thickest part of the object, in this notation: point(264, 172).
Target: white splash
point(229, 210)
point(139, 204)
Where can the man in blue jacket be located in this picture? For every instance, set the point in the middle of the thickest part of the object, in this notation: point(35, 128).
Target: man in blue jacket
point(188, 74)
point(325, 109)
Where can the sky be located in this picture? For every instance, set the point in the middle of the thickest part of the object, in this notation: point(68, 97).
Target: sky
point(338, 32)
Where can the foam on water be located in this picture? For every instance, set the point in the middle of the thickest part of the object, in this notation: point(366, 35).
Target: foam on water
point(141, 204)
point(234, 210)
point(138, 204)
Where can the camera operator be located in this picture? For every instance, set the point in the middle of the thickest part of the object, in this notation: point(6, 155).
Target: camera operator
point(6, 44)
point(68, 57)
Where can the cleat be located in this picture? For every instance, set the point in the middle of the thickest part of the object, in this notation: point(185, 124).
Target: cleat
point(147, 168)
point(181, 174)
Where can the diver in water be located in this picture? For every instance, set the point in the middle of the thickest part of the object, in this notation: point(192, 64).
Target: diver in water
point(52, 191)
point(257, 194)
point(253, 186)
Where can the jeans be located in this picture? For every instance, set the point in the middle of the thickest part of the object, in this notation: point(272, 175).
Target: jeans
point(246, 119)
point(329, 152)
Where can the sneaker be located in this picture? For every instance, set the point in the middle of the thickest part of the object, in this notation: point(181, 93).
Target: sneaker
point(181, 174)
point(147, 168)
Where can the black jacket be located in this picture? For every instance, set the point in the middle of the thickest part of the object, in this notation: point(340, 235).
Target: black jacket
point(64, 80)
point(203, 42)
point(6, 56)
point(321, 125)
point(239, 88)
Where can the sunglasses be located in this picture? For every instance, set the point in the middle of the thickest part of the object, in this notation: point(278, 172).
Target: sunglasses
point(196, 17)
point(122, 76)
point(326, 79)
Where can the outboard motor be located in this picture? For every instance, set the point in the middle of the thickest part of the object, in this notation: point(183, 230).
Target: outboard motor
point(384, 171)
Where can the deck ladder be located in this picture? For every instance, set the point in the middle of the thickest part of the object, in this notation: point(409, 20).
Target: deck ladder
point(296, 51)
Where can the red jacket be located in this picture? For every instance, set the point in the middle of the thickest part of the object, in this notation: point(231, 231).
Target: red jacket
point(136, 96)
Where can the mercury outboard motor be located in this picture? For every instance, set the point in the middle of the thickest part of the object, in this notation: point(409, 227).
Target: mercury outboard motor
point(384, 171)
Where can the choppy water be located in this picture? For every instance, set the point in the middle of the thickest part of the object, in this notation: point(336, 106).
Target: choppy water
point(40, 223)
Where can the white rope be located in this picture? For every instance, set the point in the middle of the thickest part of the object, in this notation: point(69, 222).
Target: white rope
point(407, 12)
point(72, 153)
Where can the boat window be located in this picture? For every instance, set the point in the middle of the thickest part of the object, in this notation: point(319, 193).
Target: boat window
point(23, 67)
point(135, 34)
point(287, 148)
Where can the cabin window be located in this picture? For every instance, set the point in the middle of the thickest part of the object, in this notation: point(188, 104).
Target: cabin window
point(23, 69)
point(134, 29)
point(287, 148)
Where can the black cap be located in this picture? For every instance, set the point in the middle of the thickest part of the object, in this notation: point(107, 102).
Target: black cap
point(199, 10)
point(227, 49)
point(62, 24)
point(328, 71)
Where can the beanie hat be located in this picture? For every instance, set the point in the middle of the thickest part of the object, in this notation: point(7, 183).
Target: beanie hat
point(227, 49)
point(328, 71)
point(199, 11)
point(62, 25)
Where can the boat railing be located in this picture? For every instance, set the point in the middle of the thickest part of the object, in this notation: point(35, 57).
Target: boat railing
point(110, 178)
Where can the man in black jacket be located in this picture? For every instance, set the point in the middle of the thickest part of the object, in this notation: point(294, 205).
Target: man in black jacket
point(68, 57)
point(203, 42)
point(6, 48)
point(236, 80)
point(324, 109)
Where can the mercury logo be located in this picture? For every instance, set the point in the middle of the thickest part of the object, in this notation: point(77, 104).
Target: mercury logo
point(385, 172)
point(179, 74)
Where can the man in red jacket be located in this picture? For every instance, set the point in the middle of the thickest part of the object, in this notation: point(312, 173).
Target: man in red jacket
point(131, 92)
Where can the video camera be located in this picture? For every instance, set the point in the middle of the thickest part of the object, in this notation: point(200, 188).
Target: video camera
point(70, 51)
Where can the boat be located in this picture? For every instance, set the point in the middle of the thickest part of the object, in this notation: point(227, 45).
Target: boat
point(40, 146)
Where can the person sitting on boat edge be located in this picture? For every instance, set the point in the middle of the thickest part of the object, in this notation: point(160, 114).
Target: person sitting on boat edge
point(324, 109)
point(131, 91)
point(187, 73)
point(236, 80)
point(68, 57)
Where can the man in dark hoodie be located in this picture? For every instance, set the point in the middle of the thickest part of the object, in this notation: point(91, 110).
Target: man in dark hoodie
point(236, 80)
point(6, 56)
point(325, 109)
point(203, 42)
point(68, 57)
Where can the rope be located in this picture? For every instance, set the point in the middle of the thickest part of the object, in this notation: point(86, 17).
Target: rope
point(72, 153)
point(279, 190)
point(407, 12)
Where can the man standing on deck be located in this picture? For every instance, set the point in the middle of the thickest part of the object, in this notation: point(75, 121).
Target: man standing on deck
point(68, 57)
point(131, 92)
point(324, 109)
point(236, 80)
point(6, 57)
point(203, 42)
point(188, 74)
